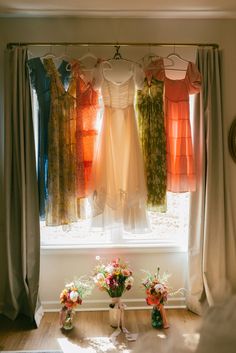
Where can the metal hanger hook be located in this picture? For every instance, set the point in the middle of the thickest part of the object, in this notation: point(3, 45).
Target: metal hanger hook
point(117, 55)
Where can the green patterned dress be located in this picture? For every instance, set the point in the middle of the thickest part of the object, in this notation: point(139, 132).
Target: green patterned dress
point(153, 141)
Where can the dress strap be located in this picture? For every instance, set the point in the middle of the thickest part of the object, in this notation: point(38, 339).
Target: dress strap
point(50, 67)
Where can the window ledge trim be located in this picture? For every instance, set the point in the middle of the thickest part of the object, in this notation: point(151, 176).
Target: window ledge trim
point(121, 248)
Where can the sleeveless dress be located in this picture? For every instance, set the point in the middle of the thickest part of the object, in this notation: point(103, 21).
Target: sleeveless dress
point(86, 127)
point(153, 140)
point(181, 175)
point(40, 82)
point(62, 199)
point(118, 186)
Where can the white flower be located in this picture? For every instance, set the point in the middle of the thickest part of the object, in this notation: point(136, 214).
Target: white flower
point(109, 268)
point(73, 296)
point(129, 280)
point(98, 258)
point(69, 285)
point(159, 288)
point(100, 277)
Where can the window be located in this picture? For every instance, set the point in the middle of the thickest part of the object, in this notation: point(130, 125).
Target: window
point(166, 228)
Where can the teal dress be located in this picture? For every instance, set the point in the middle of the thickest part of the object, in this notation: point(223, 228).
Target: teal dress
point(40, 82)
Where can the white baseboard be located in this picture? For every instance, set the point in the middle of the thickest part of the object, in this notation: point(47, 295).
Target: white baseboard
point(103, 304)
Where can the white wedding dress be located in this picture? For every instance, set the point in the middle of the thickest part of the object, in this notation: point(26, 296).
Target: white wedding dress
point(118, 186)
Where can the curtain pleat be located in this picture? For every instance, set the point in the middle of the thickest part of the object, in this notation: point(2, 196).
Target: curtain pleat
point(207, 232)
point(22, 233)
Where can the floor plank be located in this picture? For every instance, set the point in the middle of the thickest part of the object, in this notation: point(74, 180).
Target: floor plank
point(92, 331)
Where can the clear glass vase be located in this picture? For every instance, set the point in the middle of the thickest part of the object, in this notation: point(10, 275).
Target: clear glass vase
point(114, 317)
point(67, 318)
point(116, 312)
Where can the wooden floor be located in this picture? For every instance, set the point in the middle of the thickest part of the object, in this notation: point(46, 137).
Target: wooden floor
point(91, 333)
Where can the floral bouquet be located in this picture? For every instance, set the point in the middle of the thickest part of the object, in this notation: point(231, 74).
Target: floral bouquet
point(114, 277)
point(72, 296)
point(157, 293)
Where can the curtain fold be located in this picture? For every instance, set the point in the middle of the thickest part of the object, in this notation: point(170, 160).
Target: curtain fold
point(22, 234)
point(207, 232)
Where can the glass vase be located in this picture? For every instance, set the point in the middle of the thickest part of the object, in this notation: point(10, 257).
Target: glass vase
point(114, 317)
point(67, 318)
point(157, 321)
point(116, 312)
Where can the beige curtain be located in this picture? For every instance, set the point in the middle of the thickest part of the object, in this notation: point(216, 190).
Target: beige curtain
point(22, 237)
point(207, 233)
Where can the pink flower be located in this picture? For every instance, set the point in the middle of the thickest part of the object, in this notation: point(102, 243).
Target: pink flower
point(125, 272)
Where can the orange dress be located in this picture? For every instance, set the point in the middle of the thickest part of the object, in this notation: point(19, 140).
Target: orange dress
point(86, 130)
point(180, 159)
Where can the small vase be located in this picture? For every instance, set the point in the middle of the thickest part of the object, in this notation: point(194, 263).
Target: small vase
point(156, 318)
point(114, 317)
point(159, 318)
point(67, 318)
point(116, 312)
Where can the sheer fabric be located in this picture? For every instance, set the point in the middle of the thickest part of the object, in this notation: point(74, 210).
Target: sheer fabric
point(180, 160)
point(86, 127)
point(153, 141)
point(62, 199)
point(118, 184)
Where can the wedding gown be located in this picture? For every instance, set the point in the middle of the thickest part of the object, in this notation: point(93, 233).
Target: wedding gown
point(118, 186)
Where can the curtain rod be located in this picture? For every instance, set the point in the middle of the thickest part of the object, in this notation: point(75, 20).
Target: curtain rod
point(122, 44)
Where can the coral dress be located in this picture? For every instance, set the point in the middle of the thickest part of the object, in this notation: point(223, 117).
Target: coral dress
point(86, 127)
point(118, 186)
point(180, 160)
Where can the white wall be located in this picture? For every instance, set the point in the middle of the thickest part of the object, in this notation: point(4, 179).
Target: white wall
point(58, 267)
point(55, 266)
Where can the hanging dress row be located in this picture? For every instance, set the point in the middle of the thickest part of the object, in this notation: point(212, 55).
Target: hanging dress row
point(125, 168)
point(73, 111)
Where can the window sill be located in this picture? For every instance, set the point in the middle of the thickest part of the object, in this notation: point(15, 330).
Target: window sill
point(124, 248)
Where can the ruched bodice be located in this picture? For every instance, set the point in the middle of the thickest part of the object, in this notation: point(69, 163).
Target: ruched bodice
point(119, 96)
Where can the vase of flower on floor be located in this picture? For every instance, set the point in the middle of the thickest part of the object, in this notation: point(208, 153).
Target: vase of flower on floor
point(70, 297)
point(115, 278)
point(156, 292)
